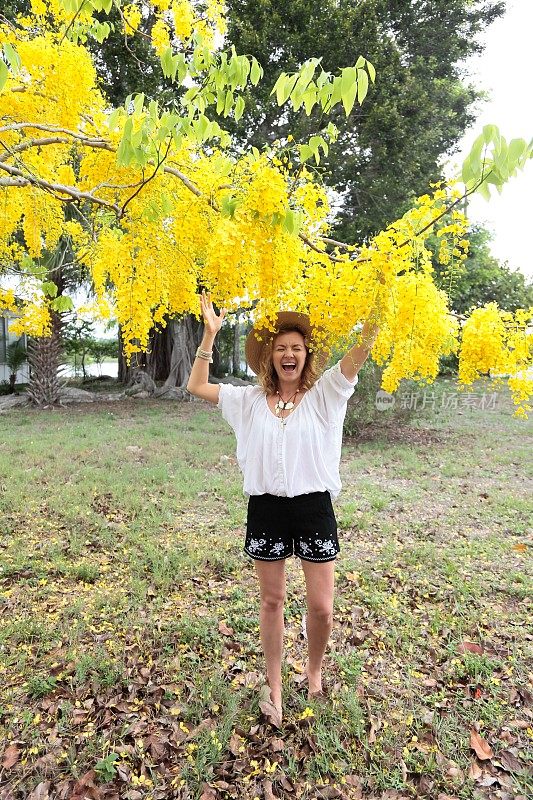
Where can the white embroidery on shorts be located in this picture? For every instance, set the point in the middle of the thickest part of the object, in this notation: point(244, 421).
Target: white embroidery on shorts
point(326, 546)
point(256, 544)
point(305, 548)
point(277, 548)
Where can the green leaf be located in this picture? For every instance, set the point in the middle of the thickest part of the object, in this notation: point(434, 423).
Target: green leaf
point(239, 108)
point(336, 94)
point(229, 205)
point(348, 88)
point(279, 88)
point(167, 62)
point(467, 173)
point(49, 288)
point(62, 303)
point(228, 105)
point(245, 70)
point(491, 134)
point(221, 100)
point(256, 72)
point(332, 131)
point(12, 57)
point(4, 72)
point(371, 71)
point(305, 152)
point(516, 151)
point(290, 222)
point(362, 85)
point(315, 142)
point(114, 118)
point(136, 138)
point(138, 103)
point(309, 99)
point(200, 127)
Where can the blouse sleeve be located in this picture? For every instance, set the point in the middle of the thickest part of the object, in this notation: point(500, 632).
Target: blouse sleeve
point(231, 403)
point(335, 387)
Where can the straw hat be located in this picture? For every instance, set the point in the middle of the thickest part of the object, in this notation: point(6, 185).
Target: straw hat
point(284, 319)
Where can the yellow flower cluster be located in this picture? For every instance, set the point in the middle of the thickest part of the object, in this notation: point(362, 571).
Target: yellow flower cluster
point(250, 231)
point(132, 18)
point(7, 300)
point(183, 18)
point(35, 320)
point(498, 342)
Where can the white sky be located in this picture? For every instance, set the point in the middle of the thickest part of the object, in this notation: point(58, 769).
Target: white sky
point(503, 71)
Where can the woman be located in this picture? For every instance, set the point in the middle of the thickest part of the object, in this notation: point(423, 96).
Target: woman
point(289, 435)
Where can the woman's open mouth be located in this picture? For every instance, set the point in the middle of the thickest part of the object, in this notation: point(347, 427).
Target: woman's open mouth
point(288, 367)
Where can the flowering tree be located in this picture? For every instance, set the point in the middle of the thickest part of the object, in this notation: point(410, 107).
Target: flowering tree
point(154, 205)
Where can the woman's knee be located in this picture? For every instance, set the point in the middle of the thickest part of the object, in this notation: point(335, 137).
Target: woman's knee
point(322, 612)
point(272, 601)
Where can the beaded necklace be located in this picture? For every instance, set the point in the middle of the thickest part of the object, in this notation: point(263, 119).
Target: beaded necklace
point(284, 405)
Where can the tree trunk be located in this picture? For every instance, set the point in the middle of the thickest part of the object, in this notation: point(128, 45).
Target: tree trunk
point(186, 335)
point(44, 357)
point(159, 356)
point(236, 353)
point(155, 362)
point(125, 370)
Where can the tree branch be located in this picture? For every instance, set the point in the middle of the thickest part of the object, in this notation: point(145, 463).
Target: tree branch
point(59, 188)
point(19, 178)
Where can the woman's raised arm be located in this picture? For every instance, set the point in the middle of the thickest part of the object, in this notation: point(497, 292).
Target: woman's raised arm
point(354, 359)
point(198, 383)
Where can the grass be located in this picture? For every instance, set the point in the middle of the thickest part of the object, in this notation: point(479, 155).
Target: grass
point(129, 640)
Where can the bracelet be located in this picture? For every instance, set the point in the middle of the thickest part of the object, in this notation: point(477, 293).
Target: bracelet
point(354, 365)
point(205, 355)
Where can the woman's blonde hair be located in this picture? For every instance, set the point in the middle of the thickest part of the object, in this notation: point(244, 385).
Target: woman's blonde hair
point(267, 376)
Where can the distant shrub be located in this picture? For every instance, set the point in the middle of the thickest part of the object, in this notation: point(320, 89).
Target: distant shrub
point(362, 408)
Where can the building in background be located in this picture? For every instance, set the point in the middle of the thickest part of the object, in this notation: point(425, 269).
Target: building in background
point(7, 338)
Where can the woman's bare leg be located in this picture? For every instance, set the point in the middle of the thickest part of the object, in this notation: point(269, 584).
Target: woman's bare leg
point(320, 584)
point(272, 585)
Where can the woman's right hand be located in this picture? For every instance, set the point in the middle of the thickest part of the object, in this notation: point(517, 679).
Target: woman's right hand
point(212, 321)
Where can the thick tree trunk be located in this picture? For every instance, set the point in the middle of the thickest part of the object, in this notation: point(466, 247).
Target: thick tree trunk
point(186, 335)
point(158, 358)
point(126, 371)
point(44, 357)
point(155, 362)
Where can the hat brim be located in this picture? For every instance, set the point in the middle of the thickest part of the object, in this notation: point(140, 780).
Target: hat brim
point(285, 319)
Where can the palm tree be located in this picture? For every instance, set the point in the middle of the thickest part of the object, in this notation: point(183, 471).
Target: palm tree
point(16, 355)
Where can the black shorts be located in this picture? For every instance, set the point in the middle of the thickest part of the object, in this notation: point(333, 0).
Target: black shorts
point(305, 525)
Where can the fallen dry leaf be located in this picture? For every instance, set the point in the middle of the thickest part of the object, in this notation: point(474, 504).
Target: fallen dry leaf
point(474, 771)
point(508, 761)
point(85, 788)
point(482, 749)
point(224, 629)
point(267, 791)
point(208, 793)
point(470, 647)
point(268, 708)
point(11, 756)
point(40, 792)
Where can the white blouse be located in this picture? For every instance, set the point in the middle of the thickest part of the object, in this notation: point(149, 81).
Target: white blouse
point(300, 456)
